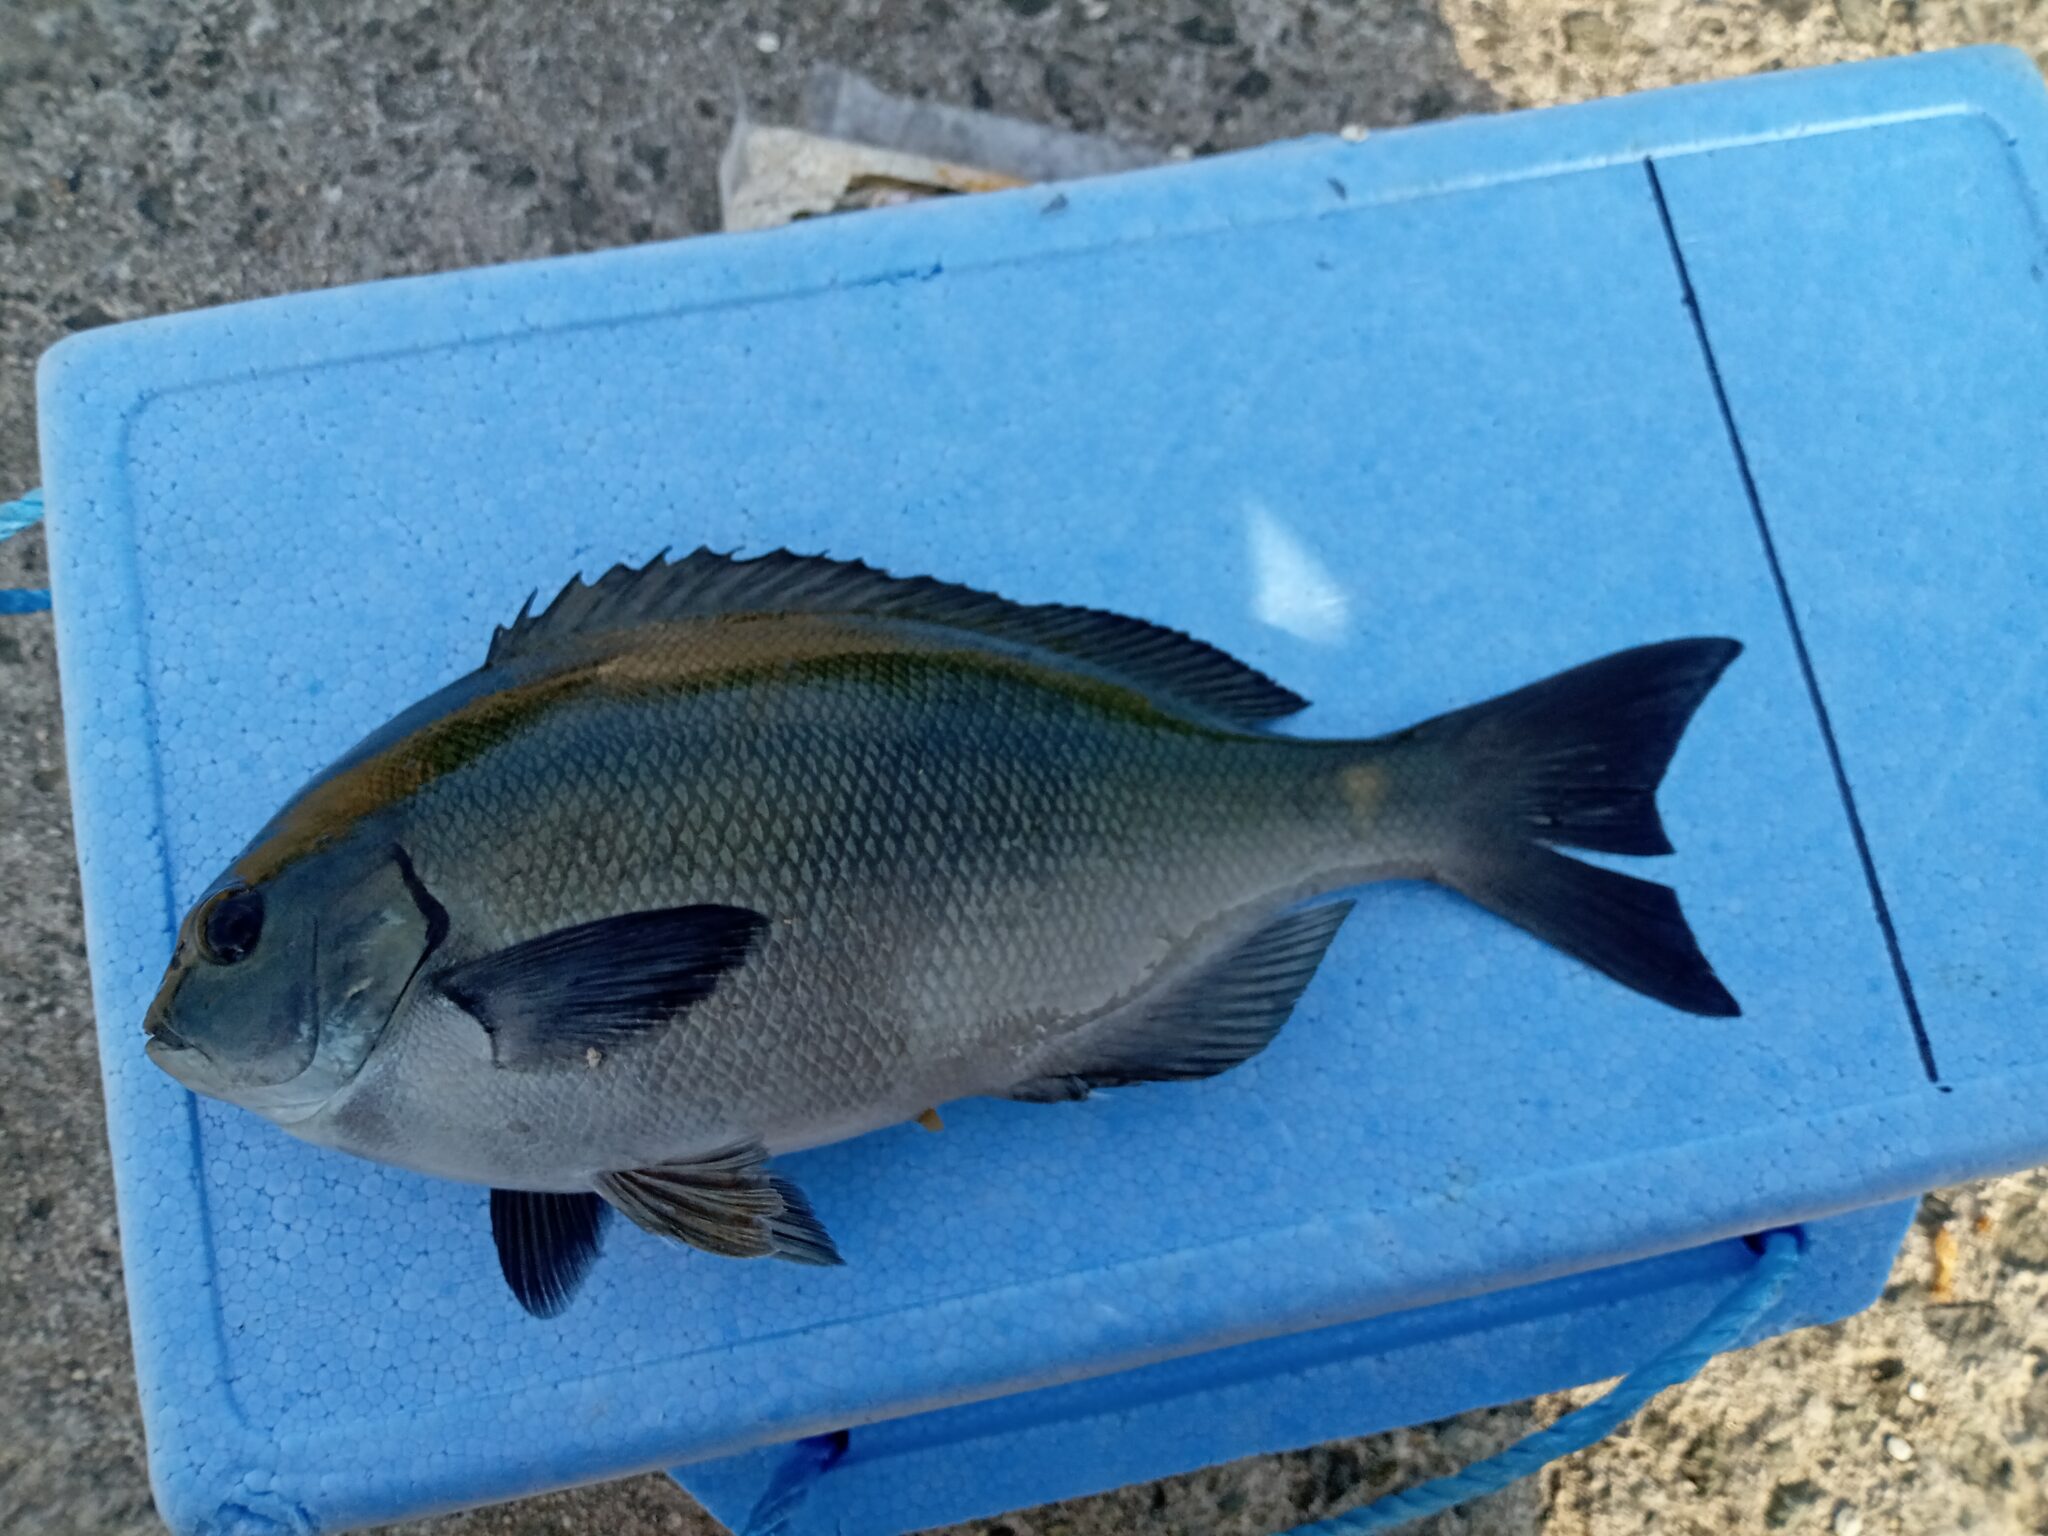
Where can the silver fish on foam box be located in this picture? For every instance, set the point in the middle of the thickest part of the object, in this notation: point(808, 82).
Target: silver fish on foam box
point(716, 859)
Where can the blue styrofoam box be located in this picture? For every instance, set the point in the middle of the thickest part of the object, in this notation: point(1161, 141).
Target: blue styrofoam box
point(1405, 423)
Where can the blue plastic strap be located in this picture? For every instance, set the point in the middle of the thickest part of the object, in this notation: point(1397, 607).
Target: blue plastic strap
point(1723, 1329)
point(1726, 1327)
point(15, 516)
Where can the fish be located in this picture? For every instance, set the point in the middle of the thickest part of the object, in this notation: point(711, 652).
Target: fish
point(718, 859)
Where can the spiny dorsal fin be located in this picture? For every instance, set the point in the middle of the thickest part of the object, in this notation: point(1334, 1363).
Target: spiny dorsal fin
point(1161, 662)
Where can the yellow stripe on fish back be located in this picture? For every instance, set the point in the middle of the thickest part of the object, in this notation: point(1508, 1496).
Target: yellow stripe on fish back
point(661, 661)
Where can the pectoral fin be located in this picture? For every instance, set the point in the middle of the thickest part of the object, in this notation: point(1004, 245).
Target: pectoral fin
point(550, 999)
point(728, 1203)
point(546, 1243)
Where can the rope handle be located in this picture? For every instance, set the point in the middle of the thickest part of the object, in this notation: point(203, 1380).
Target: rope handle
point(1722, 1329)
point(1725, 1328)
point(14, 517)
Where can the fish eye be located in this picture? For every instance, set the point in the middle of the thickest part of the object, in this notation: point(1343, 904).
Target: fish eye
point(231, 925)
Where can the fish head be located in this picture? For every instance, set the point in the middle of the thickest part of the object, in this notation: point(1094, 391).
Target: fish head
point(280, 987)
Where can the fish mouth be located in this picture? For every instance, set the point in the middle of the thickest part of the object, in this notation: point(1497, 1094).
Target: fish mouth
point(156, 1026)
point(156, 1023)
point(163, 1044)
point(183, 1064)
point(172, 1053)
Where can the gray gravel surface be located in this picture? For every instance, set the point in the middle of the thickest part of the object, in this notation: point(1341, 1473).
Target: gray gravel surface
point(159, 157)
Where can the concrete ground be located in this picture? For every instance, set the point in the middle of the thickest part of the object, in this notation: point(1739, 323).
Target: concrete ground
point(158, 157)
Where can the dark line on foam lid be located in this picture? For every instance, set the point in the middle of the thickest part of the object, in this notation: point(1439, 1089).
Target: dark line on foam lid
point(1820, 708)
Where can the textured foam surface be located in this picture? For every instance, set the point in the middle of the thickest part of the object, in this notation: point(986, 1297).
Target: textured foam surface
point(1404, 423)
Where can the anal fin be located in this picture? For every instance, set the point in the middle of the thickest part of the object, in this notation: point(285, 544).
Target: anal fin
point(728, 1204)
point(1224, 1013)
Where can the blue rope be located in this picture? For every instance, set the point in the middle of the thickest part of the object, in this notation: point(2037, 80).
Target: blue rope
point(1723, 1329)
point(14, 517)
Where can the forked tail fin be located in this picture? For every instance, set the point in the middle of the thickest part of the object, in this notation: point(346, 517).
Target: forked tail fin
point(1575, 761)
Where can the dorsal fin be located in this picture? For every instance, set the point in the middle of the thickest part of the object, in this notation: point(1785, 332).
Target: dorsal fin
point(1161, 662)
